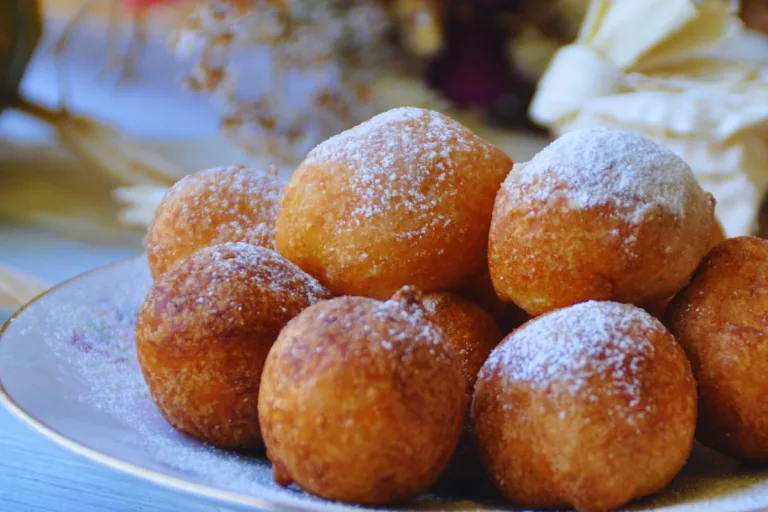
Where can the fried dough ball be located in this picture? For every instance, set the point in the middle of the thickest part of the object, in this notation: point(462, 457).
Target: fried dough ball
point(204, 332)
point(210, 207)
point(405, 198)
point(361, 401)
point(659, 307)
point(471, 333)
point(479, 290)
point(589, 406)
point(720, 320)
point(467, 330)
point(599, 214)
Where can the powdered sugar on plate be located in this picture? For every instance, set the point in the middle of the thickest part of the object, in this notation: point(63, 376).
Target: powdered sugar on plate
point(599, 166)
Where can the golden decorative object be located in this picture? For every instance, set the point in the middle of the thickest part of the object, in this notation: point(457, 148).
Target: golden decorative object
point(20, 30)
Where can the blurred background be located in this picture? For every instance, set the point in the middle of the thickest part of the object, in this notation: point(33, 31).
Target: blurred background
point(104, 104)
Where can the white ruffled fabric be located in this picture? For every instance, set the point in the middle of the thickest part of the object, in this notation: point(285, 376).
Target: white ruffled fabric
point(685, 73)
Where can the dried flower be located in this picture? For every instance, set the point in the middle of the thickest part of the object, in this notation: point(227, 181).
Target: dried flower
point(321, 55)
point(422, 23)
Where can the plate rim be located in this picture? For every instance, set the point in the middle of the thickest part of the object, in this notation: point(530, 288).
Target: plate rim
point(113, 463)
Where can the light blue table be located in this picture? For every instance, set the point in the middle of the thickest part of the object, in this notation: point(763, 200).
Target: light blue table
point(36, 475)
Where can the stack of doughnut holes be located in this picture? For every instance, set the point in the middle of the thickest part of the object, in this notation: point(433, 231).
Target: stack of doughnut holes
point(413, 311)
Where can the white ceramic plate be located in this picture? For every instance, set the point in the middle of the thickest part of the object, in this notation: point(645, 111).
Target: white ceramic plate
point(68, 369)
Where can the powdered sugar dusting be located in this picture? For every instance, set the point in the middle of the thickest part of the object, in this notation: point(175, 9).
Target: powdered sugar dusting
point(572, 345)
point(232, 203)
point(600, 166)
point(406, 308)
point(232, 259)
point(430, 303)
point(397, 160)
